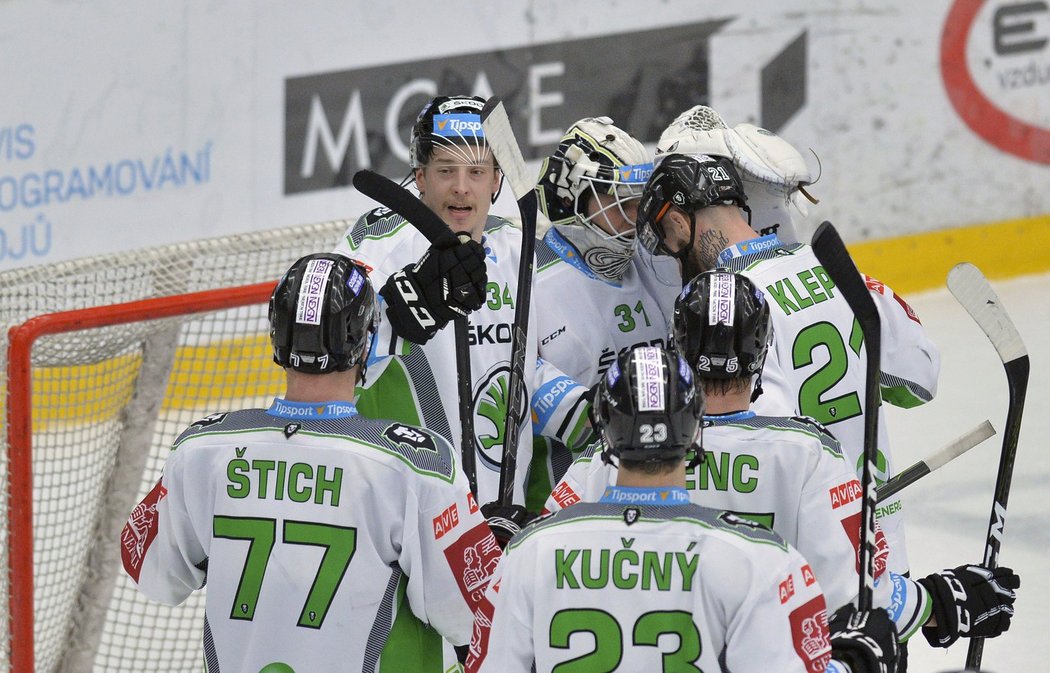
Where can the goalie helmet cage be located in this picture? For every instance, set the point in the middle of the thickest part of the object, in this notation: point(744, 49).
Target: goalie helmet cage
point(135, 346)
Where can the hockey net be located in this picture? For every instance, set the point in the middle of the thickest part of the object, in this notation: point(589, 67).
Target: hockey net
point(129, 363)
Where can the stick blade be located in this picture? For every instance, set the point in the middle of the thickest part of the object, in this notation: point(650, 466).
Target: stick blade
point(500, 136)
point(973, 291)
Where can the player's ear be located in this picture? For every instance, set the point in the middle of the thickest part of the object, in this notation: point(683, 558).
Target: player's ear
point(421, 180)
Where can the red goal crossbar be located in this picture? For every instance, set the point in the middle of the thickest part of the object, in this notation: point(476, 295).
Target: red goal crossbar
point(20, 428)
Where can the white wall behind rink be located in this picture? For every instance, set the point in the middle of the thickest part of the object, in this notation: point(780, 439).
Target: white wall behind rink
point(125, 127)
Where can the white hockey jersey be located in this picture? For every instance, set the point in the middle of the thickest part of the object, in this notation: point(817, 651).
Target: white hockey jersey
point(327, 540)
point(816, 366)
point(583, 321)
point(628, 585)
point(418, 384)
point(789, 475)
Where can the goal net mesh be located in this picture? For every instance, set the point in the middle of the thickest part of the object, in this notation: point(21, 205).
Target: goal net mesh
point(107, 404)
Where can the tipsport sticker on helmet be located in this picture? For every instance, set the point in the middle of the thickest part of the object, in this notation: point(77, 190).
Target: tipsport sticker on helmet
point(721, 304)
point(649, 371)
point(458, 125)
point(311, 293)
point(635, 173)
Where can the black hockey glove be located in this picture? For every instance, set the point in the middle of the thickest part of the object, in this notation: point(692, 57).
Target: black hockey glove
point(865, 641)
point(445, 283)
point(506, 521)
point(970, 601)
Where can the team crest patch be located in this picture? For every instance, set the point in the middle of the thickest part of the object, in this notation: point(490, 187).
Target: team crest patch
point(291, 429)
point(631, 514)
point(210, 419)
point(412, 438)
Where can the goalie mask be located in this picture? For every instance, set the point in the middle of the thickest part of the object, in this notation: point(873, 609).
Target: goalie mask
point(452, 123)
point(773, 172)
point(722, 325)
point(648, 406)
point(323, 315)
point(689, 183)
point(601, 168)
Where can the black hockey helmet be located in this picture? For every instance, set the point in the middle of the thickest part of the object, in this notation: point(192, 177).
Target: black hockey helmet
point(323, 315)
point(451, 122)
point(722, 325)
point(689, 182)
point(648, 406)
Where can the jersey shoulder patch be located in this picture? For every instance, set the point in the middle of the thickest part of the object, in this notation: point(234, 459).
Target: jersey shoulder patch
point(222, 422)
point(494, 223)
point(422, 450)
point(545, 257)
point(375, 224)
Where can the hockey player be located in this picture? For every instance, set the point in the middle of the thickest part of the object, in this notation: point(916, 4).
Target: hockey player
point(693, 209)
point(599, 583)
point(786, 473)
point(596, 293)
point(423, 288)
point(326, 539)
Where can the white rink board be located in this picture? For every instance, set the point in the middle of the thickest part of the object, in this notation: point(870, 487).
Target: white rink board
point(185, 104)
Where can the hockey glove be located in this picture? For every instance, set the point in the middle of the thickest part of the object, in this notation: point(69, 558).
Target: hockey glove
point(506, 521)
point(453, 279)
point(970, 601)
point(445, 283)
point(865, 641)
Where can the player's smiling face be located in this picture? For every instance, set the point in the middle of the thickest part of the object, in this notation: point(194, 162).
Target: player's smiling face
point(459, 192)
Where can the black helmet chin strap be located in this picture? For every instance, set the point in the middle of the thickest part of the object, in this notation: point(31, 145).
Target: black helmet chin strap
point(757, 392)
point(698, 450)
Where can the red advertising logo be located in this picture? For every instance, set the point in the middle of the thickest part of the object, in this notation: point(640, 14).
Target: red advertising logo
point(851, 524)
point(1013, 30)
point(446, 521)
point(564, 495)
point(787, 589)
point(473, 558)
point(809, 631)
point(140, 530)
point(843, 494)
point(807, 575)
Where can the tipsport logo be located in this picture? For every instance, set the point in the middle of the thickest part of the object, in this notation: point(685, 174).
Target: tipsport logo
point(458, 125)
point(635, 173)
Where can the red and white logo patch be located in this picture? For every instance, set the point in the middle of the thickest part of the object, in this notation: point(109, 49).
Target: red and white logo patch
point(472, 504)
point(446, 521)
point(787, 589)
point(809, 631)
point(843, 494)
point(851, 524)
point(807, 575)
point(140, 530)
point(473, 558)
point(564, 495)
point(907, 308)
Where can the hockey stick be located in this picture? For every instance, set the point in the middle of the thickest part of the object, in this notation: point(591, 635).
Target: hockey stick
point(935, 460)
point(972, 290)
point(504, 146)
point(404, 203)
point(839, 266)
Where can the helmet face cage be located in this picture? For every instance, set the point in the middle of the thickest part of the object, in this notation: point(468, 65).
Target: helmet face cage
point(648, 406)
point(323, 315)
point(722, 325)
point(594, 157)
point(452, 123)
point(690, 183)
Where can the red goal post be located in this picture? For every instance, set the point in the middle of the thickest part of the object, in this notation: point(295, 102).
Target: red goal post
point(108, 359)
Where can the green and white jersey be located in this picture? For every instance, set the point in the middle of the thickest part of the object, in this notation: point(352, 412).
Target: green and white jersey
point(583, 321)
point(789, 475)
point(626, 584)
point(816, 366)
point(418, 384)
point(327, 540)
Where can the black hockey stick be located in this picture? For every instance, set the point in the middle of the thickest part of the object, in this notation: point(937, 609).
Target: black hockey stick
point(404, 203)
point(839, 266)
point(934, 461)
point(504, 146)
point(972, 290)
